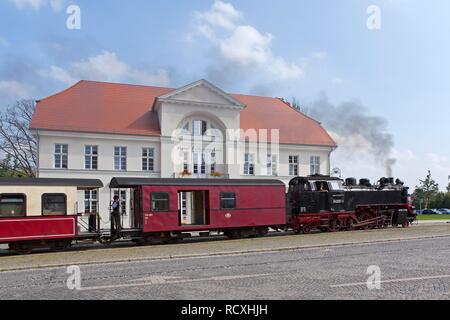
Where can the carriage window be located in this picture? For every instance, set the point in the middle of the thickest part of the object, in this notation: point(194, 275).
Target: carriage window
point(54, 204)
point(13, 205)
point(160, 201)
point(228, 200)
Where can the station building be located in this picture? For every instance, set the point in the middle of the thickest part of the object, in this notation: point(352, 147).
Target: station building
point(104, 130)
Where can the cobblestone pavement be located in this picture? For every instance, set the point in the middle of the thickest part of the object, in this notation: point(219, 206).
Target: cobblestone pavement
point(85, 254)
point(413, 269)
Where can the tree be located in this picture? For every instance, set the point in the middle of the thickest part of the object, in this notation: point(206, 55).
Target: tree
point(426, 190)
point(296, 104)
point(16, 140)
point(448, 187)
point(8, 168)
point(441, 200)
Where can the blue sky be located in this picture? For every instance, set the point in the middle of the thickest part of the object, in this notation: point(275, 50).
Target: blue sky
point(285, 48)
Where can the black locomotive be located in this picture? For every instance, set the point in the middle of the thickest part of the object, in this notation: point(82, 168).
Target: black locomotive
point(333, 203)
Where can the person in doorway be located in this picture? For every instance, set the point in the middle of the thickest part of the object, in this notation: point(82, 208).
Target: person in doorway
point(323, 187)
point(115, 216)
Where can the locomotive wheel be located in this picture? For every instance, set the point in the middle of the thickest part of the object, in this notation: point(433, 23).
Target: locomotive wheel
point(306, 229)
point(334, 226)
point(365, 217)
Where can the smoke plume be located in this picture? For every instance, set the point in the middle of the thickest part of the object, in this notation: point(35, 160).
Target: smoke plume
point(355, 130)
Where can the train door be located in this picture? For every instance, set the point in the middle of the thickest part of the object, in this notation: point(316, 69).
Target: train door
point(136, 209)
point(192, 208)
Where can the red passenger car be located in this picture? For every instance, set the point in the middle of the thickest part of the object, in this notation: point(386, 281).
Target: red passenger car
point(168, 208)
point(43, 213)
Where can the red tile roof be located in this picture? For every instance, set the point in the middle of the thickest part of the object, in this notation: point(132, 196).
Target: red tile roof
point(100, 107)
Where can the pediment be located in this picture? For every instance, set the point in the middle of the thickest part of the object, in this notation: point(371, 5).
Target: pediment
point(204, 93)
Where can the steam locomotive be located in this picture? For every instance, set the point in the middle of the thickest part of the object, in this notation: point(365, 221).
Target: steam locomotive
point(331, 204)
point(44, 213)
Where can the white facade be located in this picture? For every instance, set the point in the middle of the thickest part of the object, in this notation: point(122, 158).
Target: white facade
point(183, 117)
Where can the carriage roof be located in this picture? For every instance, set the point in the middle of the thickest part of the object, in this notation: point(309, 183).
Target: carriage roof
point(136, 182)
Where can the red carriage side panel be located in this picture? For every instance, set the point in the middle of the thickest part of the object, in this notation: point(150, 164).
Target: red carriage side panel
point(256, 206)
point(37, 228)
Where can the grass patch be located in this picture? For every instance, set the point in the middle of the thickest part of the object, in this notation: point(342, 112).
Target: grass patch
point(433, 217)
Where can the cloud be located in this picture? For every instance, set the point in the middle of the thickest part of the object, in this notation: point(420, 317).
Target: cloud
point(106, 66)
point(239, 44)
point(60, 75)
point(222, 15)
point(56, 5)
point(247, 46)
point(13, 90)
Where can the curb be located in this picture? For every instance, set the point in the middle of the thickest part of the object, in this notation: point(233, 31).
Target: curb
point(225, 253)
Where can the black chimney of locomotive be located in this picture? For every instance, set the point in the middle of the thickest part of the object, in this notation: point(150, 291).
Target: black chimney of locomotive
point(350, 182)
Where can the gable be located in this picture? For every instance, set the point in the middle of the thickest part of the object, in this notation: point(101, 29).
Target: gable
point(200, 94)
point(204, 93)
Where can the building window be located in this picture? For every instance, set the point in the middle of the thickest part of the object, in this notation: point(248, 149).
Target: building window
point(200, 128)
point(120, 158)
point(199, 163)
point(228, 200)
point(160, 201)
point(249, 165)
point(185, 129)
point(213, 162)
point(185, 161)
point(315, 165)
point(90, 201)
point(147, 159)
point(272, 165)
point(13, 205)
point(54, 204)
point(293, 165)
point(61, 156)
point(91, 157)
point(123, 200)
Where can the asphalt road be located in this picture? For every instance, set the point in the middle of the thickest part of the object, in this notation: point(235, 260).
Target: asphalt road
point(410, 269)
